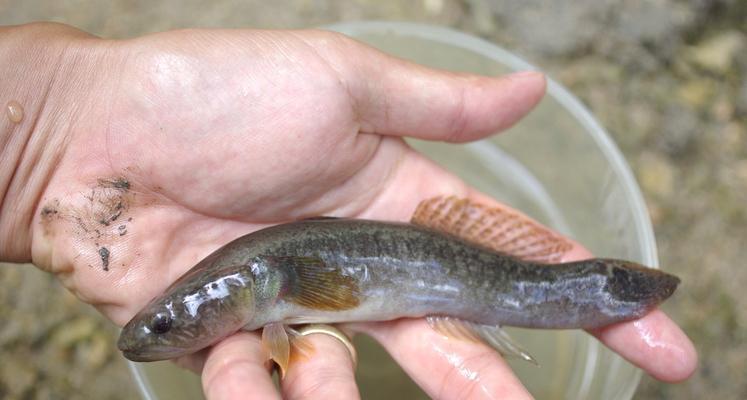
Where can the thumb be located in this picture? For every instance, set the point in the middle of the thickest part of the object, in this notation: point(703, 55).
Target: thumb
point(395, 97)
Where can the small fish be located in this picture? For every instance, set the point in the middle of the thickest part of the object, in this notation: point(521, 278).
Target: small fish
point(468, 268)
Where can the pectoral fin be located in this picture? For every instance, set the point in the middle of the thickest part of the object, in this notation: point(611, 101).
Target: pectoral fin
point(493, 336)
point(284, 345)
point(314, 284)
point(496, 228)
point(276, 344)
point(301, 347)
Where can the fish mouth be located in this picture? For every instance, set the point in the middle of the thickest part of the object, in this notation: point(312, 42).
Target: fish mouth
point(136, 356)
point(144, 354)
point(151, 355)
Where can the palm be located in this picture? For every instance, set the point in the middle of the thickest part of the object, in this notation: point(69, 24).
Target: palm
point(259, 128)
point(207, 163)
point(262, 134)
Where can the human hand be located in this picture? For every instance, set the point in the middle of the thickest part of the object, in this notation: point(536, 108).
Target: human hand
point(173, 144)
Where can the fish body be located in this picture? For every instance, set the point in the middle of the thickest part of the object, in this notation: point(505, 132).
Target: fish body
point(405, 270)
point(342, 270)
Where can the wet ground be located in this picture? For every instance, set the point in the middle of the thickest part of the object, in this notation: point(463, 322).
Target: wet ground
point(666, 78)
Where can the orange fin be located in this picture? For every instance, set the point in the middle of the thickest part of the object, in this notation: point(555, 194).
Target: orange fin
point(316, 285)
point(284, 345)
point(276, 344)
point(493, 227)
point(301, 347)
point(493, 336)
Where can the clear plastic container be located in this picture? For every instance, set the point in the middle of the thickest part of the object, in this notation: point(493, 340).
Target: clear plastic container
point(559, 166)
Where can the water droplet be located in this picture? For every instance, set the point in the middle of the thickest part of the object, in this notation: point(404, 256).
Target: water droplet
point(15, 111)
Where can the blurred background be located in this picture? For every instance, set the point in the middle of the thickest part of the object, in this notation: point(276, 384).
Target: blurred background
point(666, 78)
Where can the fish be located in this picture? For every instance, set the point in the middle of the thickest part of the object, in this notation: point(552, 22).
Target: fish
point(468, 268)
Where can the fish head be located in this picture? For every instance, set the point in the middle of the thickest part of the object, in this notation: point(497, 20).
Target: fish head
point(204, 306)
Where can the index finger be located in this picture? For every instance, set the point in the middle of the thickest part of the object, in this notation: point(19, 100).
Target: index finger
point(443, 367)
point(654, 343)
point(235, 369)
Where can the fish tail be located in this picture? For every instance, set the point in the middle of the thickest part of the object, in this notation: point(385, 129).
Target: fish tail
point(631, 282)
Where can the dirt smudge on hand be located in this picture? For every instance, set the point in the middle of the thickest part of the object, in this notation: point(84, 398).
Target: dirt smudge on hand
point(100, 219)
point(50, 213)
point(117, 183)
point(104, 254)
point(107, 201)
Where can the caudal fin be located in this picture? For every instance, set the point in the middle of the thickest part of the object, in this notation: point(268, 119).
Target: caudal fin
point(631, 282)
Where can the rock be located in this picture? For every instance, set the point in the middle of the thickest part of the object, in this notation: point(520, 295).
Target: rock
point(722, 109)
point(729, 141)
point(479, 11)
point(717, 54)
point(75, 331)
point(740, 170)
point(741, 103)
point(696, 93)
point(632, 129)
point(554, 27)
point(657, 23)
point(433, 7)
point(11, 330)
point(97, 351)
point(656, 174)
point(18, 378)
point(678, 130)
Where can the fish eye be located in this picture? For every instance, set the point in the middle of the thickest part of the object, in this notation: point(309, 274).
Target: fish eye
point(161, 323)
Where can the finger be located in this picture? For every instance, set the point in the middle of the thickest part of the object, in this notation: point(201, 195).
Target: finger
point(235, 369)
point(325, 373)
point(654, 343)
point(395, 97)
point(445, 368)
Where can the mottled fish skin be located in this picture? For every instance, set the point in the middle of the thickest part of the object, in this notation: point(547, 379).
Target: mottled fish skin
point(404, 270)
point(399, 270)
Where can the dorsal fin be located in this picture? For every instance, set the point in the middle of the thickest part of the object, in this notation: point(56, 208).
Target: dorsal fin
point(496, 228)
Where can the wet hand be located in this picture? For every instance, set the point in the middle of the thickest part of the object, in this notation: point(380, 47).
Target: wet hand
point(189, 139)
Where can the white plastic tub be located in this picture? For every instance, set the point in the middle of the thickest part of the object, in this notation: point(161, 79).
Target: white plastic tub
point(559, 166)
